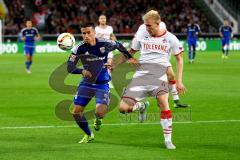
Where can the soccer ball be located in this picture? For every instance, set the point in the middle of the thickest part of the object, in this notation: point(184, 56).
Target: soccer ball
point(65, 41)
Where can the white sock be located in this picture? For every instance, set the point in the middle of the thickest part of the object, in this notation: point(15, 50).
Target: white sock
point(167, 129)
point(174, 91)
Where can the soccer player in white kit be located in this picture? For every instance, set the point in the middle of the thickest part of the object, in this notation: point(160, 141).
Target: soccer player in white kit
point(105, 31)
point(170, 73)
point(155, 49)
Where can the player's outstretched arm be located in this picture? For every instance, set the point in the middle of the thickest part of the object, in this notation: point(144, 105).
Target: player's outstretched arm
point(126, 56)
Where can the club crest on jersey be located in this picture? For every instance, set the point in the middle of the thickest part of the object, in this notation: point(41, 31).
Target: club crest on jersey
point(146, 38)
point(164, 40)
point(102, 49)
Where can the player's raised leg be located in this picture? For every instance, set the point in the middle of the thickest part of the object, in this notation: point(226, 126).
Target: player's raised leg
point(128, 105)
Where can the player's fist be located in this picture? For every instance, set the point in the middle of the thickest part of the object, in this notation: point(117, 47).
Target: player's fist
point(86, 73)
point(108, 66)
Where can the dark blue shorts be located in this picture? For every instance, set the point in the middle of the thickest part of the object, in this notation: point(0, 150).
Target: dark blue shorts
point(225, 42)
point(87, 91)
point(192, 42)
point(29, 50)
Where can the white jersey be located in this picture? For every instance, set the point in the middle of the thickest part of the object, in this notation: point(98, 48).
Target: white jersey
point(104, 33)
point(156, 49)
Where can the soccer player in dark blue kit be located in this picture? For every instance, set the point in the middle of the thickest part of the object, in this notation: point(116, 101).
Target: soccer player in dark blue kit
point(93, 54)
point(192, 36)
point(29, 35)
point(225, 32)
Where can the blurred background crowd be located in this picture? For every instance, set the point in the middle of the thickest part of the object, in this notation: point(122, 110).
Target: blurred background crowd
point(57, 16)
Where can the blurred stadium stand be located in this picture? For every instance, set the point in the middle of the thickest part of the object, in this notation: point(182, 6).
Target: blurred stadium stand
point(54, 17)
point(233, 7)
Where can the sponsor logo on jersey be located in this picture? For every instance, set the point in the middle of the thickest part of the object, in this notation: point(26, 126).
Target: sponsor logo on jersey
point(95, 59)
point(155, 47)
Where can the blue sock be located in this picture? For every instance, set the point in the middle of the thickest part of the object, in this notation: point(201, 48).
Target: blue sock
point(82, 123)
point(27, 63)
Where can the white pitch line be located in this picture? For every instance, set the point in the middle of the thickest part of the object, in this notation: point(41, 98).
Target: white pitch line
point(118, 124)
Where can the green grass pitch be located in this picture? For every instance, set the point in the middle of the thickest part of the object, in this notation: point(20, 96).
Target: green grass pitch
point(209, 130)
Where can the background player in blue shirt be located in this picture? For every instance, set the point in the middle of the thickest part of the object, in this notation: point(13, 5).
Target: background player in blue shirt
point(192, 36)
point(29, 35)
point(225, 32)
point(93, 53)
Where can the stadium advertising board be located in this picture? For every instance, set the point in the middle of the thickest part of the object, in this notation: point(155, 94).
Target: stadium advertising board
point(51, 47)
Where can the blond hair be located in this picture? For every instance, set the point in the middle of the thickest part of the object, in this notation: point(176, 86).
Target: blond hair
point(153, 15)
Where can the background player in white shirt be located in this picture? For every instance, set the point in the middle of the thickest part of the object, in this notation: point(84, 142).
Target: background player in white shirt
point(155, 50)
point(142, 31)
point(105, 31)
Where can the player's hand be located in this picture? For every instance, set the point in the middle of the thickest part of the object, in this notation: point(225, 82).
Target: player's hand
point(134, 62)
point(23, 38)
point(37, 38)
point(109, 67)
point(181, 88)
point(86, 74)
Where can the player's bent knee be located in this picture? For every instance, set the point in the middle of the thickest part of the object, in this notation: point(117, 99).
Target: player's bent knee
point(100, 114)
point(78, 109)
point(126, 105)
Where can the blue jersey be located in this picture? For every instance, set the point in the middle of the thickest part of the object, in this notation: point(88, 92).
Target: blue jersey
point(93, 59)
point(29, 34)
point(226, 32)
point(192, 31)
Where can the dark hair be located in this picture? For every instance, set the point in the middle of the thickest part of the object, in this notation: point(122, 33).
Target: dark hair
point(87, 24)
